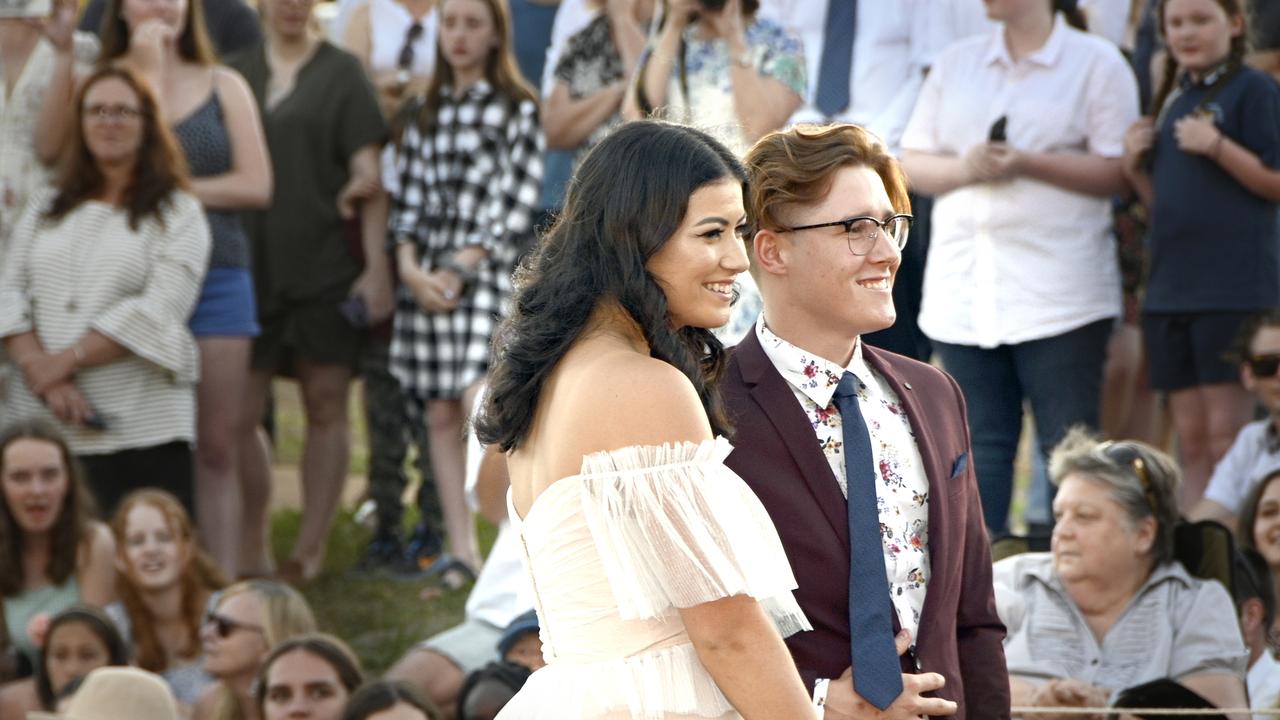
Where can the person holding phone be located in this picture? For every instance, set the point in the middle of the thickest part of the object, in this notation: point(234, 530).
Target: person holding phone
point(102, 273)
point(1018, 135)
point(322, 123)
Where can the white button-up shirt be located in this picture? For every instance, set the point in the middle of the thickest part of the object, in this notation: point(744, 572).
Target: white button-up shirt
point(1022, 260)
point(889, 52)
point(902, 489)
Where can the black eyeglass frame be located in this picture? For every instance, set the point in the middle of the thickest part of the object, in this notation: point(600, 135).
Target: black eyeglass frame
point(881, 229)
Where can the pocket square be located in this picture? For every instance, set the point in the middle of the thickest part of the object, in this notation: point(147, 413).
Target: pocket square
point(961, 463)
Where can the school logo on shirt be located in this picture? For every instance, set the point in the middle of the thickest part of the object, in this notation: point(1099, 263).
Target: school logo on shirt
point(1213, 111)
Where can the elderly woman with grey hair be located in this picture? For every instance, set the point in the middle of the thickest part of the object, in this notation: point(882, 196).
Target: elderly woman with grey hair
point(1109, 607)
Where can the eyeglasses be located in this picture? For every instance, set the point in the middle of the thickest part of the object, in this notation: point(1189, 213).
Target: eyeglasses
point(1130, 456)
point(111, 112)
point(1263, 366)
point(862, 231)
point(224, 626)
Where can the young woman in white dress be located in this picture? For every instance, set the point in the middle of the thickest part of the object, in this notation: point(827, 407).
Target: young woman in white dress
point(655, 569)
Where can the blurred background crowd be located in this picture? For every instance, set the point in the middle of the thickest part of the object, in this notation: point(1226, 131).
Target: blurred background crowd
point(199, 197)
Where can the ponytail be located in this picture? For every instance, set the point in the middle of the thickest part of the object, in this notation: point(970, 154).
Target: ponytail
point(1071, 9)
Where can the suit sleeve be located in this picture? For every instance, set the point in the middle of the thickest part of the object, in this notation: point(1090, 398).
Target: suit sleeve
point(979, 631)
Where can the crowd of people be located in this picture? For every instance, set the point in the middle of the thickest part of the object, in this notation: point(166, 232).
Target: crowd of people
point(495, 216)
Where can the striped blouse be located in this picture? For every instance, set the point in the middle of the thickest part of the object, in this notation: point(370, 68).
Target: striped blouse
point(90, 271)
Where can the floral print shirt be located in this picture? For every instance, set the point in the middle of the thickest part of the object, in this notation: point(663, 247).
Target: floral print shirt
point(590, 63)
point(708, 104)
point(902, 490)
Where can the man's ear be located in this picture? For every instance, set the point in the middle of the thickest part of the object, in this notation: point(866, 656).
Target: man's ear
point(770, 253)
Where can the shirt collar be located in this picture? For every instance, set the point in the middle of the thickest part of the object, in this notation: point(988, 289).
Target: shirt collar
point(1047, 55)
point(812, 375)
point(480, 88)
point(1208, 79)
point(1047, 574)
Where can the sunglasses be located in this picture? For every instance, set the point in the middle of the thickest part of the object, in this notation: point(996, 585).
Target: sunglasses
point(1263, 366)
point(1129, 455)
point(225, 627)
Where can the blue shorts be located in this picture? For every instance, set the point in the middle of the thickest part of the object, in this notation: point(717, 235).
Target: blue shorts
point(226, 306)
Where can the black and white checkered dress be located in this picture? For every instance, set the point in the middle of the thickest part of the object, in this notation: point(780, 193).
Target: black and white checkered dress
point(473, 179)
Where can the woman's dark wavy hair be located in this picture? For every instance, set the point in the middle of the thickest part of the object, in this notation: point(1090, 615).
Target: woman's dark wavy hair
point(74, 517)
point(628, 196)
point(100, 625)
point(159, 170)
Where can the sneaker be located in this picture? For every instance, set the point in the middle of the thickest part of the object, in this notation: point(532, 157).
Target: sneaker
point(385, 551)
point(424, 549)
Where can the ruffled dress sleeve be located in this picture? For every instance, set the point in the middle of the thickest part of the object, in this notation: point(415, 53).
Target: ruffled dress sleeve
point(675, 528)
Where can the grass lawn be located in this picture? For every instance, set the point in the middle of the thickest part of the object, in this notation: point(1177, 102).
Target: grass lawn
point(379, 615)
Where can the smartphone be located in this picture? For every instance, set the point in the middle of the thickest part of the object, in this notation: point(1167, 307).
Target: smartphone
point(26, 8)
point(95, 422)
point(355, 312)
point(998, 131)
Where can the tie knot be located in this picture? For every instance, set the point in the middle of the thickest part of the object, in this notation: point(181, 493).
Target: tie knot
point(848, 386)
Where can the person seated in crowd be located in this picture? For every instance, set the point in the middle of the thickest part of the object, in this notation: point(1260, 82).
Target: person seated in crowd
point(1260, 523)
point(311, 676)
point(1256, 605)
point(1256, 449)
point(250, 619)
point(101, 275)
point(521, 644)
point(121, 692)
point(440, 665)
point(78, 640)
point(54, 555)
point(490, 688)
point(1109, 607)
point(165, 584)
point(389, 700)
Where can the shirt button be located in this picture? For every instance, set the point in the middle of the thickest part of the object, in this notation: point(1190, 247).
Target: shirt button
point(71, 306)
point(1093, 661)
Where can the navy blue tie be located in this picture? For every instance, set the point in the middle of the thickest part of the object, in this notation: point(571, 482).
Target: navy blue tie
point(831, 95)
point(876, 674)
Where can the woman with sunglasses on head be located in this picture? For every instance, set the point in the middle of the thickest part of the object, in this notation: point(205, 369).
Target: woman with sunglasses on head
point(165, 584)
point(1018, 135)
point(251, 619)
point(78, 640)
point(396, 43)
point(314, 298)
point(100, 278)
point(1109, 607)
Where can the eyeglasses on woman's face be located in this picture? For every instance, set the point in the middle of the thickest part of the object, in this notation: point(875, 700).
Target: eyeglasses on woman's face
point(103, 112)
point(863, 231)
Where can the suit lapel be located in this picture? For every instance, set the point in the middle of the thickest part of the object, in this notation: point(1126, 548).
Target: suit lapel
point(776, 400)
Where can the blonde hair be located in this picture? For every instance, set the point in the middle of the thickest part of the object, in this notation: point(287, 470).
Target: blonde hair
point(285, 615)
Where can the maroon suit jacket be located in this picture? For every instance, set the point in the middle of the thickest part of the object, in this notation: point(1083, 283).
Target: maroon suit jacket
point(777, 453)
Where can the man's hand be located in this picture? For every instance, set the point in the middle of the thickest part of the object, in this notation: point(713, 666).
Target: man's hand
point(991, 162)
point(356, 191)
point(375, 287)
point(843, 703)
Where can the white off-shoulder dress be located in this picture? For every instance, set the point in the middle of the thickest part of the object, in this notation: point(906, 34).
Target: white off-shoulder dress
point(613, 552)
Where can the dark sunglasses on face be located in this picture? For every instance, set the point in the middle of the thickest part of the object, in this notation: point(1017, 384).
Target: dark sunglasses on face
point(1263, 366)
point(225, 627)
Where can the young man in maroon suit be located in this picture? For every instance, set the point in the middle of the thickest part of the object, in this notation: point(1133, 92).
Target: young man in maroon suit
point(854, 448)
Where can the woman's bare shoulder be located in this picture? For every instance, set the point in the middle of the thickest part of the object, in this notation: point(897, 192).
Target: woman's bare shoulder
point(624, 398)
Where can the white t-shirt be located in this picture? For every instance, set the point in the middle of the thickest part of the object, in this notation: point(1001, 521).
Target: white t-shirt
point(1264, 684)
point(1254, 454)
point(1021, 259)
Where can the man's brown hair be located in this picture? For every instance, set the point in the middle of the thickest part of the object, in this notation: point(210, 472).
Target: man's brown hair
point(797, 166)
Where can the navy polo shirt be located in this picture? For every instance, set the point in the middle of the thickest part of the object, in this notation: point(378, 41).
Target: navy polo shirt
point(1214, 245)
